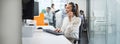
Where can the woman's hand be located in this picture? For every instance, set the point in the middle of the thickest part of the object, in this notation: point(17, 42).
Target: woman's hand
point(58, 30)
point(70, 14)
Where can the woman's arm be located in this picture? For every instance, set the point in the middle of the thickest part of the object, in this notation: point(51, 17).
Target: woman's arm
point(64, 24)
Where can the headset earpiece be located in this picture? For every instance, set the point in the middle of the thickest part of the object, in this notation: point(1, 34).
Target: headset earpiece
point(73, 7)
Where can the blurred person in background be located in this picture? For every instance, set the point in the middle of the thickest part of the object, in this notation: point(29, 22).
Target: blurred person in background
point(48, 16)
point(60, 16)
point(83, 21)
point(53, 17)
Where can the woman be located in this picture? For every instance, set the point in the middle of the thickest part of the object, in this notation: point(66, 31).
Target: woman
point(71, 23)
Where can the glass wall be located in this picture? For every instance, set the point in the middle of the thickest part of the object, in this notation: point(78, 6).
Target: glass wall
point(104, 22)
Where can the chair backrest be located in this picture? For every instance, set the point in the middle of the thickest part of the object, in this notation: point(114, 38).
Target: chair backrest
point(40, 20)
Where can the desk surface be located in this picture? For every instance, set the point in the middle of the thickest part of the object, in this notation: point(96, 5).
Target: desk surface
point(40, 37)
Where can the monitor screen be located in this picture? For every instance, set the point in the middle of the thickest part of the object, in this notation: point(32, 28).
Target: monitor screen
point(28, 9)
point(36, 8)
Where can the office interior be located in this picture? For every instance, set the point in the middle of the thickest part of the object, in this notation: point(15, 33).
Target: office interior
point(102, 17)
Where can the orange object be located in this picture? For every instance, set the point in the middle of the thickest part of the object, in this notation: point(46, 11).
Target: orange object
point(40, 20)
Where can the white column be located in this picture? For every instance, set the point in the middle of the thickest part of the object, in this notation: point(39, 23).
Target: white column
point(10, 21)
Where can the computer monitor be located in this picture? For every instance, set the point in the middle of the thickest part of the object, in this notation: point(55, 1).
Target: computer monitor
point(27, 9)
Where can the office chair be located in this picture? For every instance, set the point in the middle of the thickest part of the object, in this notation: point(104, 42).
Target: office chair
point(40, 20)
point(80, 34)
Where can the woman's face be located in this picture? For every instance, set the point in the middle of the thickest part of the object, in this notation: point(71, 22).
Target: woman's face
point(68, 8)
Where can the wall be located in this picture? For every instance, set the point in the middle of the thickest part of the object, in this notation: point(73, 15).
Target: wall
point(10, 21)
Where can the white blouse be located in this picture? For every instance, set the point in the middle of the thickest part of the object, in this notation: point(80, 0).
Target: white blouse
point(71, 29)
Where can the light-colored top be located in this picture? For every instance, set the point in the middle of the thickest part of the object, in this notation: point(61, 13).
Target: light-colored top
point(82, 17)
point(48, 17)
point(59, 18)
point(53, 10)
point(71, 29)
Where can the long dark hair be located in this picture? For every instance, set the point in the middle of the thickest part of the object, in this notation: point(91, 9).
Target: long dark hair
point(74, 9)
point(77, 9)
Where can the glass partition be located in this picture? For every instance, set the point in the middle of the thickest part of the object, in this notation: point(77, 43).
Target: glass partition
point(104, 18)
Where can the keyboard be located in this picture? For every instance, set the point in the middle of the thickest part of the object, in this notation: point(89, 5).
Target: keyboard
point(52, 32)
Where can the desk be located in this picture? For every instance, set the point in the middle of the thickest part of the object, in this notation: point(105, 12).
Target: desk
point(40, 37)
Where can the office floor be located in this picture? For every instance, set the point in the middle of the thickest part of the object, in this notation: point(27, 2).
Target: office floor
point(84, 38)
